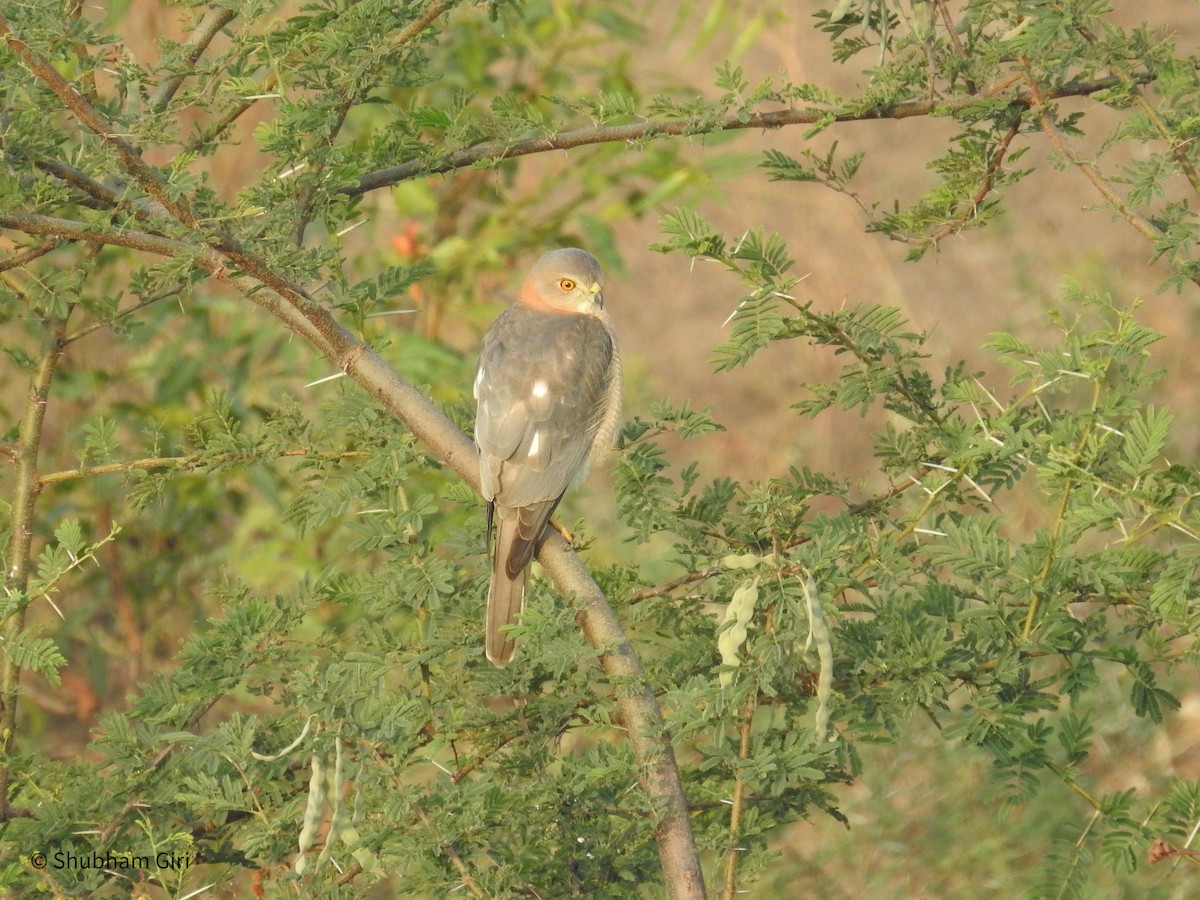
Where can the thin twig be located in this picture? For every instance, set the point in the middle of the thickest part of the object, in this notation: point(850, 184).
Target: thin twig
point(451, 853)
point(1143, 226)
point(122, 314)
point(218, 127)
point(28, 255)
point(423, 21)
point(106, 834)
point(1179, 149)
point(738, 806)
point(985, 186)
point(959, 49)
point(188, 462)
point(209, 26)
point(668, 587)
point(271, 82)
point(20, 544)
point(308, 194)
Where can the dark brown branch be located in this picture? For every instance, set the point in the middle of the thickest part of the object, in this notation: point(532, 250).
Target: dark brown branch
point(641, 131)
point(210, 24)
point(28, 255)
point(70, 230)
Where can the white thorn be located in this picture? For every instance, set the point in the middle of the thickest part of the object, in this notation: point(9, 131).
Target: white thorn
point(325, 379)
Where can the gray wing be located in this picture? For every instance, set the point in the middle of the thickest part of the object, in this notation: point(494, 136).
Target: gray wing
point(541, 394)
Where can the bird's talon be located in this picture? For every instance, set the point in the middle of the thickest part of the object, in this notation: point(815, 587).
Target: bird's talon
point(566, 535)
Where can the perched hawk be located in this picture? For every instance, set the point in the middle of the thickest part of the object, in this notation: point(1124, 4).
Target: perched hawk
point(548, 397)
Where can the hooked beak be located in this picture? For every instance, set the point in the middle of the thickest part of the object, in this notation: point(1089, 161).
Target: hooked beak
point(596, 295)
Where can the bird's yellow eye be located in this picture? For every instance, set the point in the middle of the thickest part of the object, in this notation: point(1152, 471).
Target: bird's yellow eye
point(567, 284)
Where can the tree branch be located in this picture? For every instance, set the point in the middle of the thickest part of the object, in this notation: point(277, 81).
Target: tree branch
point(28, 255)
point(661, 590)
point(20, 543)
point(216, 264)
point(215, 129)
point(403, 36)
point(188, 462)
point(122, 314)
point(423, 21)
point(210, 24)
point(985, 186)
point(128, 155)
point(738, 804)
point(495, 151)
point(451, 853)
point(1143, 226)
point(70, 230)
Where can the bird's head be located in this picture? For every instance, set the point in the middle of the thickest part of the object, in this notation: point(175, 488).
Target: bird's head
point(568, 280)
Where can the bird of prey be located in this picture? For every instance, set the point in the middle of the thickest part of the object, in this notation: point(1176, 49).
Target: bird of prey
point(548, 399)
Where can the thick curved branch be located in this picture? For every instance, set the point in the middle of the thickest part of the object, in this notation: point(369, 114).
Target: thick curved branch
point(640, 131)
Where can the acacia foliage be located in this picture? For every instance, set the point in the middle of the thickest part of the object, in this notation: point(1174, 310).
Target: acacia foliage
point(328, 718)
